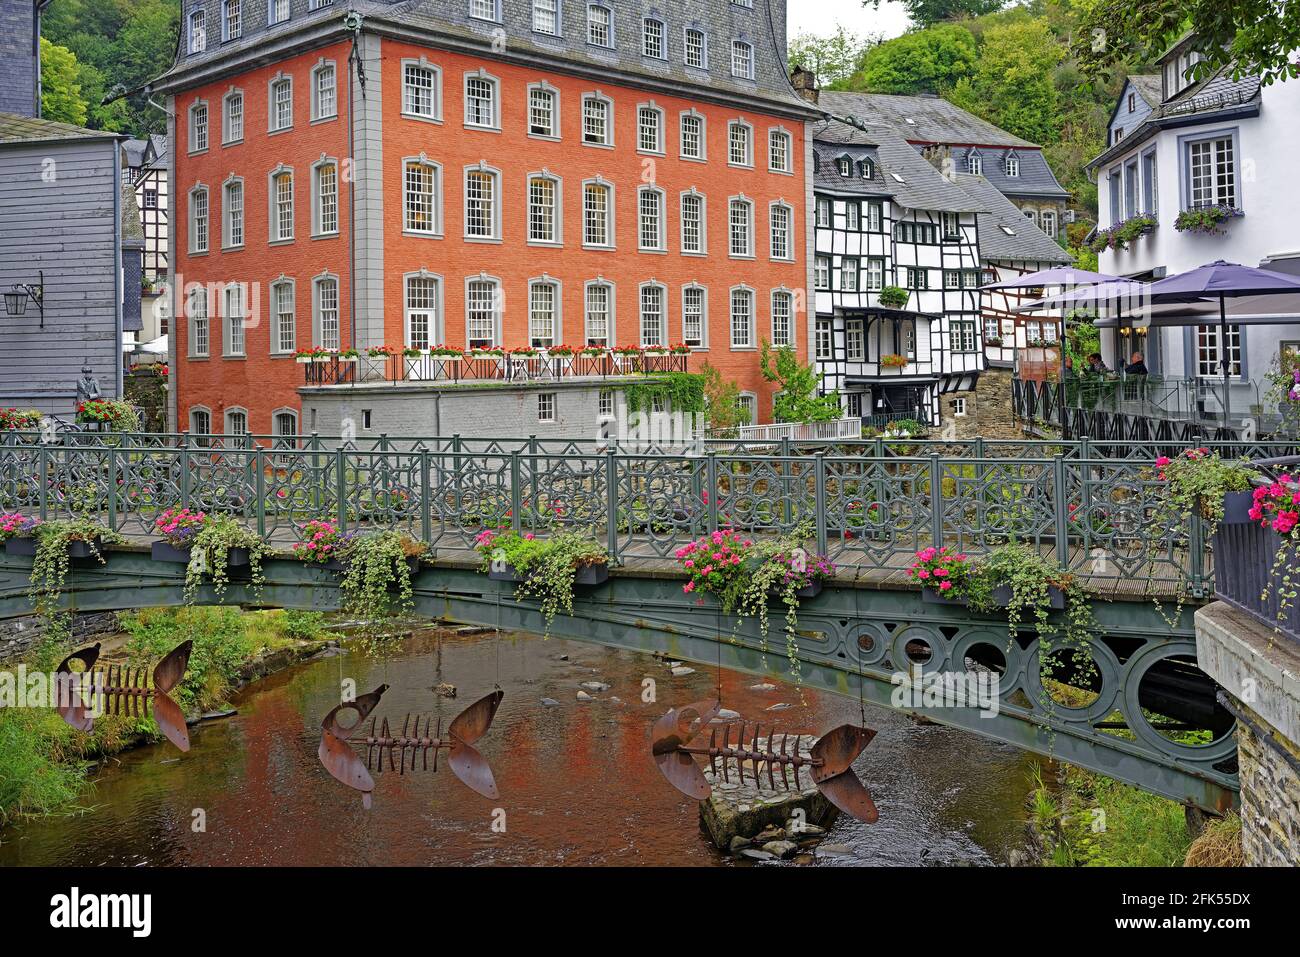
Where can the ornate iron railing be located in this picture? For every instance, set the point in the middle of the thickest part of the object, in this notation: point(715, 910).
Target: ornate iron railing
point(432, 367)
point(868, 512)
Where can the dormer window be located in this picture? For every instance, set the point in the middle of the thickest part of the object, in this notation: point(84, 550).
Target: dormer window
point(845, 166)
point(867, 169)
point(975, 164)
point(1012, 166)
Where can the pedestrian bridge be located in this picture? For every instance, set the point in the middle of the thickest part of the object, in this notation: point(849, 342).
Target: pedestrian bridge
point(1146, 715)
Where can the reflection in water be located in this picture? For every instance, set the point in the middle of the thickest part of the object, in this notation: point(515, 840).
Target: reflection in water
point(577, 782)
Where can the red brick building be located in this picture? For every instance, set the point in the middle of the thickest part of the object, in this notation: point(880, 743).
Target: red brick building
point(479, 173)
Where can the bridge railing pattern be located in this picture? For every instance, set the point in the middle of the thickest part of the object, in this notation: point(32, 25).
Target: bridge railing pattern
point(867, 512)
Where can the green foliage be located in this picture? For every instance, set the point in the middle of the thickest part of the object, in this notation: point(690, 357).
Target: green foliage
point(117, 44)
point(1253, 38)
point(548, 565)
point(50, 571)
point(61, 97)
point(924, 61)
point(1122, 234)
point(834, 59)
point(926, 13)
point(1207, 220)
point(722, 408)
point(299, 625)
point(1012, 84)
point(895, 297)
point(36, 776)
point(683, 392)
point(376, 583)
point(796, 398)
point(210, 554)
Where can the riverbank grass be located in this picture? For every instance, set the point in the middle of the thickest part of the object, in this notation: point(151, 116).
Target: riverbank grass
point(43, 762)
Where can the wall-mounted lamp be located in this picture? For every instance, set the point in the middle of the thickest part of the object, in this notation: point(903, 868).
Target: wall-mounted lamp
point(16, 298)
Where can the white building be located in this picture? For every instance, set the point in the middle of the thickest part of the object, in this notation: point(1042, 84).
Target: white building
point(886, 217)
point(1216, 142)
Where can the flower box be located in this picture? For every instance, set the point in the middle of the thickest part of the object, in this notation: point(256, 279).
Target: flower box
point(303, 360)
point(596, 573)
point(1236, 508)
point(1001, 597)
point(81, 548)
point(167, 552)
point(21, 545)
point(811, 590)
point(508, 573)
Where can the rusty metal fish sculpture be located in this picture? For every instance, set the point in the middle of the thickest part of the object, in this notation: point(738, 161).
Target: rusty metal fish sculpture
point(120, 689)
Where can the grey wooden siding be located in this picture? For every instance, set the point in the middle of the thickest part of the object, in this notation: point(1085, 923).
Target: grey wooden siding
point(66, 223)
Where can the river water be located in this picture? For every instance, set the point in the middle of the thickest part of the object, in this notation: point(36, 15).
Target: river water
point(577, 783)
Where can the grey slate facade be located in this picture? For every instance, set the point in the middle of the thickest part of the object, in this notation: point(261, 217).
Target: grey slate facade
point(60, 212)
point(19, 55)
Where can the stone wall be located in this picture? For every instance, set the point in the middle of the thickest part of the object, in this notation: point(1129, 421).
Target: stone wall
point(20, 635)
point(1270, 796)
point(988, 409)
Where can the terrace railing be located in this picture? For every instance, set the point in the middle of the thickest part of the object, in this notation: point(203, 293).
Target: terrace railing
point(868, 512)
point(486, 367)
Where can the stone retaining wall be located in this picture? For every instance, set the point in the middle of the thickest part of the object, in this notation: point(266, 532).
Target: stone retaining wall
point(18, 636)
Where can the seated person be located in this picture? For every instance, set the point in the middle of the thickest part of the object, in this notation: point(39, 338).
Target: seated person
point(1136, 366)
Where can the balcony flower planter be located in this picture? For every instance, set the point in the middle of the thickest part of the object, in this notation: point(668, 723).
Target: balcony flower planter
point(507, 573)
point(808, 591)
point(597, 573)
point(1236, 508)
point(21, 545)
point(167, 552)
point(1001, 597)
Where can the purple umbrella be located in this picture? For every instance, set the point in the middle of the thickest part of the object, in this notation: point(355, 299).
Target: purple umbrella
point(1056, 276)
point(1222, 281)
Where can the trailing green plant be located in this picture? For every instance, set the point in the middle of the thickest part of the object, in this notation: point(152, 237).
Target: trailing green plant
point(547, 566)
point(50, 572)
point(210, 555)
point(1276, 506)
point(683, 392)
point(376, 581)
point(1206, 219)
point(1123, 233)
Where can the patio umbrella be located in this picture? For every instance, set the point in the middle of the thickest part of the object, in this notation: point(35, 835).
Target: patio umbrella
point(1222, 281)
point(1056, 276)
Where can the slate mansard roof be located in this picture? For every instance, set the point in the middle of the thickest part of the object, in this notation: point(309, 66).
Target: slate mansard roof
point(1005, 233)
point(447, 23)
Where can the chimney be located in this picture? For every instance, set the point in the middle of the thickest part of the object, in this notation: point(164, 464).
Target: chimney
point(940, 157)
point(805, 84)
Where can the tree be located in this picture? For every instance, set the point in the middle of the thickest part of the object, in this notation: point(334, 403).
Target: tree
point(927, 13)
point(1255, 37)
point(833, 59)
point(925, 61)
point(61, 97)
point(796, 399)
point(722, 408)
point(1012, 85)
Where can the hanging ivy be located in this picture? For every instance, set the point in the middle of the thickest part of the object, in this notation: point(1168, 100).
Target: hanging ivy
point(682, 391)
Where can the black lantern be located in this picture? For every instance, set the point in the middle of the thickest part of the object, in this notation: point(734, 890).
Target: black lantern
point(16, 298)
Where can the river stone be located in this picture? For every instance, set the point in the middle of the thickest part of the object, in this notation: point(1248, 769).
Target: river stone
point(594, 686)
point(745, 810)
point(763, 687)
point(769, 833)
point(739, 843)
point(753, 854)
point(779, 706)
point(804, 830)
point(834, 850)
point(781, 849)
point(583, 696)
point(550, 702)
point(682, 671)
point(445, 689)
point(724, 715)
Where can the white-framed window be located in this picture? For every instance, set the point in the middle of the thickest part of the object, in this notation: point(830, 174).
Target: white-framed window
point(822, 272)
point(482, 203)
point(605, 405)
point(277, 11)
point(481, 91)
point(824, 340)
point(598, 320)
point(649, 129)
point(284, 334)
point(652, 38)
point(952, 279)
point(325, 198)
point(232, 298)
point(692, 133)
point(199, 219)
point(281, 104)
point(324, 94)
point(1049, 222)
point(232, 124)
point(284, 425)
point(200, 421)
point(1209, 352)
point(875, 274)
point(546, 17)
point(823, 212)
point(853, 216)
point(546, 406)
point(598, 214)
point(1212, 172)
point(951, 223)
point(196, 309)
point(740, 218)
point(855, 341)
point(849, 274)
point(747, 402)
point(199, 127)
point(597, 120)
point(740, 143)
point(653, 303)
point(325, 312)
point(198, 32)
point(782, 317)
point(282, 205)
point(1012, 166)
point(236, 421)
point(600, 25)
point(422, 90)
point(696, 49)
point(650, 219)
point(779, 152)
point(485, 10)
point(232, 20)
point(959, 407)
point(693, 223)
point(781, 218)
point(1031, 215)
point(423, 311)
point(695, 311)
point(974, 164)
point(421, 197)
point(482, 312)
point(742, 318)
point(543, 313)
point(875, 217)
point(543, 111)
point(961, 335)
point(543, 209)
point(232, 213)
point(742, 59)
point(844, 166)
point(917, 278)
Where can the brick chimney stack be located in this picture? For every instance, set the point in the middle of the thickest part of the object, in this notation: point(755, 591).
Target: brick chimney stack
point(805, 84)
